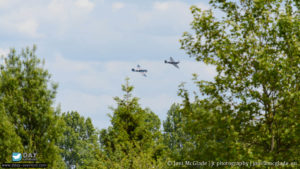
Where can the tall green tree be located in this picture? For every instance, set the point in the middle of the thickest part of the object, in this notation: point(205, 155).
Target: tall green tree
point(134, 139)
point(202, 130)
point(255, 49)
point(26, 99)
point(9, 140)
point(174, 135)
point(80, 146)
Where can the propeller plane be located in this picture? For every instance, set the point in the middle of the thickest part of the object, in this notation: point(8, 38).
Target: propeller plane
point(172, 62)
point(138, 69)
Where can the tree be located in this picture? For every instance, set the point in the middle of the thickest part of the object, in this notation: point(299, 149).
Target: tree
point(79, 145)
point(202, 130)
point(134, 139)
point(26, 99)
point(174, 135)
point(9, 140)
point(255, 49)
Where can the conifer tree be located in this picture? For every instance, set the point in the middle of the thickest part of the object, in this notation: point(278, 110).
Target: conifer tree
point(134, 139)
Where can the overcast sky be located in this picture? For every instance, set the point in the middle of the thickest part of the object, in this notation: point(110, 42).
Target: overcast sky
point(90, 47)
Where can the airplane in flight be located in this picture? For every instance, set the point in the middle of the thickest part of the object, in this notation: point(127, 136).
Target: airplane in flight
point(172, 62)
point(138, 69)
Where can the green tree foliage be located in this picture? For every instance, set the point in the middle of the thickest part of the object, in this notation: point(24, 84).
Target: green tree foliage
point(174, 135)
point(79, 145)
point(252, 106)
point(202, 130)
point(9, 140)
point(26, 99)
point(133, 140)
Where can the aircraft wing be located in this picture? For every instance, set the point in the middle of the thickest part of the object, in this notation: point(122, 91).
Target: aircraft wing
point(138, 67)
point(171, 59)
point(144, 74)
point(176, 66)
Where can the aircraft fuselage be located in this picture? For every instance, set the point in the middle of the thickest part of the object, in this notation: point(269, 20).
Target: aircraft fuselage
point(140, 70)
point(174, 63)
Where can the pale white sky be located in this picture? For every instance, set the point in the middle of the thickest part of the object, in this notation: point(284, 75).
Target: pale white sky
point(90, 47)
